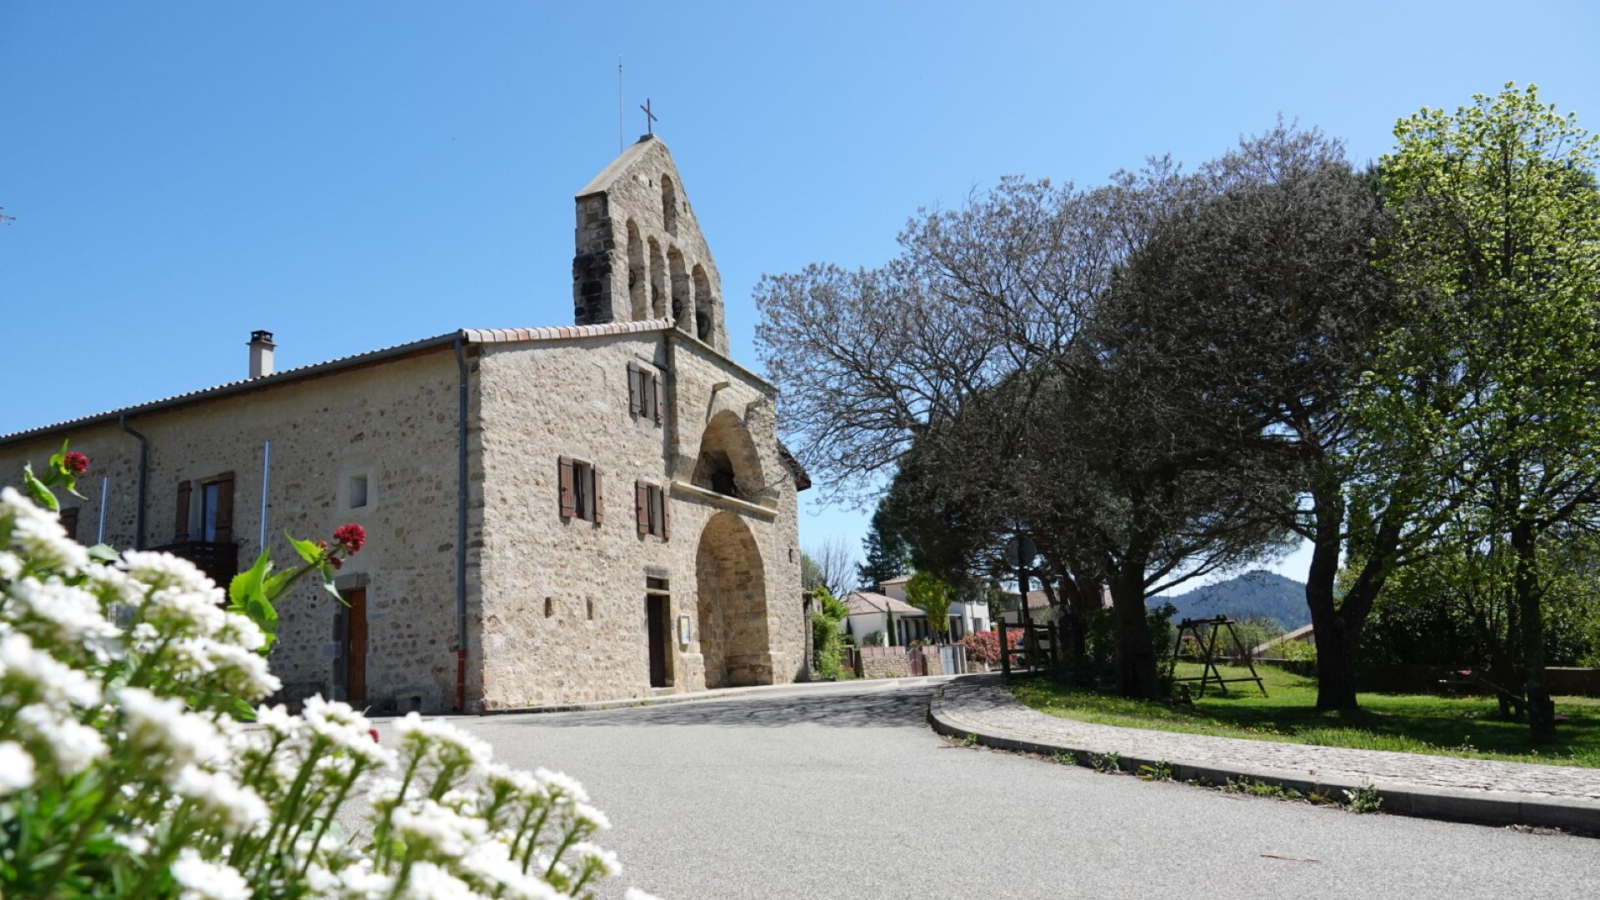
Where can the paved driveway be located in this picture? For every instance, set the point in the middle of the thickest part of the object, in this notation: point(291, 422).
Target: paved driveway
point(831, 792)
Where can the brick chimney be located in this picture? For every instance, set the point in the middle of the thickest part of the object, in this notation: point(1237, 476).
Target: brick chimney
point(261, 346)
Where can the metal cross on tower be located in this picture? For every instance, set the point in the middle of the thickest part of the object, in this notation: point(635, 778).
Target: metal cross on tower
point(649, 117)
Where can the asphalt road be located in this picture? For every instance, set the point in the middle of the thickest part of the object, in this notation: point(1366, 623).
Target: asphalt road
point(841, 791)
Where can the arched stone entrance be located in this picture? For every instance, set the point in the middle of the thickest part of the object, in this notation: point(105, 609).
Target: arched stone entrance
point(732, 590)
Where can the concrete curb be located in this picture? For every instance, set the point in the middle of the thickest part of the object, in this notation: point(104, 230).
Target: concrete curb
point(1480, 807)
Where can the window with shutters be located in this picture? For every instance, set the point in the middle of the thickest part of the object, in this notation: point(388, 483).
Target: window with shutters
point(646, 393)
point(650, 509)
point(581, 490)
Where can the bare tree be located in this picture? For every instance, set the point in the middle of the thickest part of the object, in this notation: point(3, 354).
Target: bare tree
point(830, 564)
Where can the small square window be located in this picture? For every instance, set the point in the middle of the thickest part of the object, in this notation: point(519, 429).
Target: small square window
point(358, 491)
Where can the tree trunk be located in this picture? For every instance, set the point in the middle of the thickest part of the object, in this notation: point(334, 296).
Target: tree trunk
point(1135, 662)
point(1336, 647)
point(1541, 709)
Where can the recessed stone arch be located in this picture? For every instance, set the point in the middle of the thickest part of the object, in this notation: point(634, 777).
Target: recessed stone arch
point(731, 587)
point(682, 299)
point(669, 205)
point(705, 313)
point(638, 292)
point(658, 281)
point(729, 463)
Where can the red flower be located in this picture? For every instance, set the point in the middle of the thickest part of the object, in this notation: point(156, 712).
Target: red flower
point(77, 462)
point(350, 537)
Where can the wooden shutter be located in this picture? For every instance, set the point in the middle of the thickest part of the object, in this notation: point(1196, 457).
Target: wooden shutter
point(180, 528)
point(69, 521)
point(635, 389)
point(599, 496)
point(666, 518)
point(224, 483)
point(641, 506)
point(568, 496)
point(661, 401)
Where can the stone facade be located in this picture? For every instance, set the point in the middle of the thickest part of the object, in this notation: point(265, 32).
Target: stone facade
point(640, 253)
point(394, 425)
point(556, 607)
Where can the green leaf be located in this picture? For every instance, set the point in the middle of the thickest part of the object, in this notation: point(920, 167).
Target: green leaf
point(328, 585)
point(308, 550)
point(103, 553)
point(41, 494)
point(248, 583)
point(274, 585)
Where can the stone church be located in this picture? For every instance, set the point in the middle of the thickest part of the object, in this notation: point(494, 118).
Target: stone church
point(554, 515)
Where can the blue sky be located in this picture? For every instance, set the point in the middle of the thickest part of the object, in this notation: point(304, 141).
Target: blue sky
point(360, 174)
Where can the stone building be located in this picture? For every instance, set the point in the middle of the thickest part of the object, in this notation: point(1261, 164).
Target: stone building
point(554, 515)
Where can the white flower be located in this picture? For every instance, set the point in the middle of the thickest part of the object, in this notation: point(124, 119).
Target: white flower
point(155, 723)
point(37, 534)
point(634, 893)
point(217, 795)
point(604, 861)
point(10, 565)
point(362, 883)
point(232, 668)
point(185, 611)
point(135, 844)
point(73, 615)
point(438, 828)
point(51, 681)
point(562, 787)
point(73, 745)
point(277, 720)
point(490, 864)
point(442, 743)
point(163, 570)
point(241, 632)
point(345, 728)
point(588, 815)
point(430, 882)
point(516, 781)
point(114, 588)
point(16, 768)
point(203, 880)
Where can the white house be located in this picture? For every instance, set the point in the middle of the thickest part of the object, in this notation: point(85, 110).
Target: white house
point(966, 617)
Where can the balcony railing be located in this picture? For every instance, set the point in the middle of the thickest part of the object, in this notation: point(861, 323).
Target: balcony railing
point(219, 561)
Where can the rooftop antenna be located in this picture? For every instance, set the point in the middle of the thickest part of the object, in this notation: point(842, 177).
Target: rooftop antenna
point(622, 140)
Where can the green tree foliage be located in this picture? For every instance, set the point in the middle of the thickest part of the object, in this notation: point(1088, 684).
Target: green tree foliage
point(885, 548)
point(931, 594)
point(1489, 389)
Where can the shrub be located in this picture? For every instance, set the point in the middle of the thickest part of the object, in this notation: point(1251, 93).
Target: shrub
point(984, 646)
point(127, 773)
point(826, 646)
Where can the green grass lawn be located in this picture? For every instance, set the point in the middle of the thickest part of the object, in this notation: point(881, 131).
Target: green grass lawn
point(1413, 723)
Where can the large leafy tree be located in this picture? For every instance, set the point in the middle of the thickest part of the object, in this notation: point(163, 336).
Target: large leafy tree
point(1490, 389)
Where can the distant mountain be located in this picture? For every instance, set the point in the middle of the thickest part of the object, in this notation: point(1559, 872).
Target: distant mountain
point(1255, 593)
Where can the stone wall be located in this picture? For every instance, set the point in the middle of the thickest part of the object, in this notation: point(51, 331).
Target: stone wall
point(640, 253)
point(564, 617)
point(895, 666)
point(394, 423)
